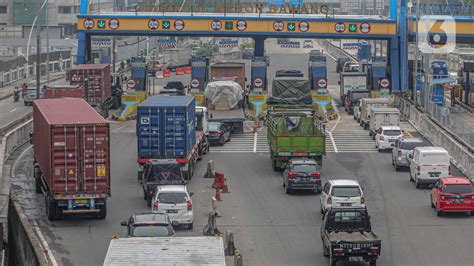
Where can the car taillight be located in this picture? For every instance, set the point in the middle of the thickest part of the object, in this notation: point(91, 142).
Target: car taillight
point(349, 104)
point(190, 205)
point(329, 200)
point(316, 174)
point(362, 200)
point(382, 137)
point(399, 153)
point(216, 134)
point(292, 175)
point(418, 170)
point(155, 205)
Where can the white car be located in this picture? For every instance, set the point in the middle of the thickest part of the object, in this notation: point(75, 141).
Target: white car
point(386, 136)
point(340, 193)
point(176, 202)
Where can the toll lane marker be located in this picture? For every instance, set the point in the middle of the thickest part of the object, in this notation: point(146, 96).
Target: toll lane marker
point(255, 142)
point(333, 142)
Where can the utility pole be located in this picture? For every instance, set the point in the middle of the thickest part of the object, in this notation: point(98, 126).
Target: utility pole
point(38, 51)
point(47, 42)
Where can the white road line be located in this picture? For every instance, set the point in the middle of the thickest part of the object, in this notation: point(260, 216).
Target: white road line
point(333, 142)
point(333, 58)
point(337, 122)
point(12, 110)
point(44, 243)
point(255, 142)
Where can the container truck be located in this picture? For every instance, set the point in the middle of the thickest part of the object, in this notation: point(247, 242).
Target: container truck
point(62, 91)
point(233, 117)
point(177, 57)
point(166, 129)
point(190, 250)
point(294, 132)
point(95, 80)
point(71, 157)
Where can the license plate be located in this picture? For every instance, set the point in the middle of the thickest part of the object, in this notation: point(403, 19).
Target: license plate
point(171, 211)
point(392, 140)
point(80, 201)
point(355, 258)
point(459, 200)
point(434, 174)
point(346, 204)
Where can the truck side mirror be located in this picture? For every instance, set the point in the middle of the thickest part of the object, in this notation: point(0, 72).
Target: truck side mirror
point(123, 223)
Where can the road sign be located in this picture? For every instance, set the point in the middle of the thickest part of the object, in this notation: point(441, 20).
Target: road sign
point(195, 83)
point(352, 27)
point(179, 24)
point(166, 24)
point(131, 83)
point(97, 42)
point(303, 26)
point(241, 25)
point(258, 82)
point(229, 25)
point(340, 27)
point(365, 27)
point(291, 26)
point(322, 83)
point(114, 23)
point(153, 24)
point(216, 25)
point(278, 25)
point(384, 83)
point(88, 24)
point(101, 24)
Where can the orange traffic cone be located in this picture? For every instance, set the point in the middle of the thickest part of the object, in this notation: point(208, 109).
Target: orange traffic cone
point(226, 188)
point(218, 195)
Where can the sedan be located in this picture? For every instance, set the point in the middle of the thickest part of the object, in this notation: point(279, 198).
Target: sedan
point(219, 133)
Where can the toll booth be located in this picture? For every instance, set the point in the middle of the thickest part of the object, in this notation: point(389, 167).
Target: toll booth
point(139, 74)
point(199, 78)
point(439, 69)
point(259, 85)
point(377, 74)
point(317, 72)
point(468, 86)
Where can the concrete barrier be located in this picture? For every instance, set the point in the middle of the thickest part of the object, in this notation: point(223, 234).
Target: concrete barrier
point(461, 157)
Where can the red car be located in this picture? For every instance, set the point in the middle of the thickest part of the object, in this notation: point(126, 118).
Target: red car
point(452, 194)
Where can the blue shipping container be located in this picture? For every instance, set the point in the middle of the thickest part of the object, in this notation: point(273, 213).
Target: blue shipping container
point(166, 127)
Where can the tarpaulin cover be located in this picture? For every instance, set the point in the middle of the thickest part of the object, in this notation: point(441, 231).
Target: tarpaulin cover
point(214, 90)
point(290, 87)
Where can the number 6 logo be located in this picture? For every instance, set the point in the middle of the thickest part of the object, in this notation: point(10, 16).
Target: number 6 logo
point(436, 34)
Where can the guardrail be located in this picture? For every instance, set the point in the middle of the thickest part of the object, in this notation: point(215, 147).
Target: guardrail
point(334, 50)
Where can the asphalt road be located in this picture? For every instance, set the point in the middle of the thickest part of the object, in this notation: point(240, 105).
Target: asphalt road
point(271, 228)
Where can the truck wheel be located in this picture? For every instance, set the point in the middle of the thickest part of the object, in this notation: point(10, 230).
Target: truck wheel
point(103, 211)
point(373, 263)
point(38, 185)
point(417, 185)
point(190, 226)
point(274, 165)
point(50, 205)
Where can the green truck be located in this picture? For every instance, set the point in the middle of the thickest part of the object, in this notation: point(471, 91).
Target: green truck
point(294, 131)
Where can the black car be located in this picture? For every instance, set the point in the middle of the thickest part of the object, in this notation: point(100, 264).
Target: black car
point(177, 86)
point(159, 173)
point(302, 174)
point(219, 133)
point(149, 225)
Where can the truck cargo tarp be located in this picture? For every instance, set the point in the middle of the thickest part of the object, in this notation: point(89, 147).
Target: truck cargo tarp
point(214, 90)
point(288, 87)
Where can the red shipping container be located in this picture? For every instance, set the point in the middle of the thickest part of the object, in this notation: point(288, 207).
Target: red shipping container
point(94, 79)
point(63, 91)
point(72, 149)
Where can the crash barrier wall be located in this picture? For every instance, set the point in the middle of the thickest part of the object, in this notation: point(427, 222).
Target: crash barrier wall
point(461, 155)
point(333, 50)
point(21, 239)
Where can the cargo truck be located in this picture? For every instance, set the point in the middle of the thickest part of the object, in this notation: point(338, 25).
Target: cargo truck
point(95, 80)
point(63, 91)
point(191, 250)
point(233, 117)
point(166, 129)
point(71, 157)
point(351, 81)
point(294, 132)
point(365, 105)
point(176, 58)
point(382, 117)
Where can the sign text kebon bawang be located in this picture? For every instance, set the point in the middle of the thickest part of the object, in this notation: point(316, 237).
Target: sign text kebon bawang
point(260, 8)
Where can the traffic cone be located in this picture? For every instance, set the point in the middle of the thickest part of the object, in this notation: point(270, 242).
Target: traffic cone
point(225, 189)
point(218, 195)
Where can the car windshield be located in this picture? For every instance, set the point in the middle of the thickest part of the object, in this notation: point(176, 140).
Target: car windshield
point(214, 126)
point(150, 231)
point(346, 191)
point(392, 132)
point(172, 197)
point(305, 168)
point(457, 189)
point(410, 145)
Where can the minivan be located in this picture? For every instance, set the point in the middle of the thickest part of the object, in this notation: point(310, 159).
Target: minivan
point(428, 164)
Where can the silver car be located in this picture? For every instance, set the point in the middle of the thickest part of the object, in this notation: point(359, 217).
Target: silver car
point(400, 150)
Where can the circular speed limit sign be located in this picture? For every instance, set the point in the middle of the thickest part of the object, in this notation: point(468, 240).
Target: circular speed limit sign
point(131, 83)
point(114, 24)
point(178, 24)
point(195, 83)
point(278, 25)
point(384, 83)
point(340, 27)
point(258, 82)
point(88, 24)
point(153, 24)
point(303, 26)
point(216, 25)
point(241, 25)
point(365, 27)
point(322, 83)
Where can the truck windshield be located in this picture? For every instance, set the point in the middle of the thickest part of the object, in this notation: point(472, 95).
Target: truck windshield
point(346, 191)
point(172, 197)
point(457, 189)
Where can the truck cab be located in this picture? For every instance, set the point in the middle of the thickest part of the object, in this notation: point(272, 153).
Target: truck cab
point(202, 120)
point(347, 235)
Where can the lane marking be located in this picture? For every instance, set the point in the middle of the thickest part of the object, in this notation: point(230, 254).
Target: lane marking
point(333, 58)
point(12, 110)
point(44, 243)
point(337, 122)
point(255, 138)
point(333, 142)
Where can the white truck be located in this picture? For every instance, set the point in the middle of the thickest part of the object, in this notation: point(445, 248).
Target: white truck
point(364, 107)
point(352, 81)
point(177, 57)
point(382, 117)
point(198, 250)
